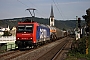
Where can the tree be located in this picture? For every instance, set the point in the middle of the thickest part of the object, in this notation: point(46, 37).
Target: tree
point(87, 19)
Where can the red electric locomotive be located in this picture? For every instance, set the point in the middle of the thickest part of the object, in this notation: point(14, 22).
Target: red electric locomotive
point(30, 33)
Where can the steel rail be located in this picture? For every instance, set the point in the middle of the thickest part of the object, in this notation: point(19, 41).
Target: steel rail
point(57, 54)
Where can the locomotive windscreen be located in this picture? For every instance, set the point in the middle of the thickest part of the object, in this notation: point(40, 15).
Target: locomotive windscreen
point(25, 28)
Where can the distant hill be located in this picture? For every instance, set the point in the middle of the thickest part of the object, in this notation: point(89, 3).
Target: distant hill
point(68, 24)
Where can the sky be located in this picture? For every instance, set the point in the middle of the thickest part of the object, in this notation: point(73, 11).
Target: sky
point(63, 9)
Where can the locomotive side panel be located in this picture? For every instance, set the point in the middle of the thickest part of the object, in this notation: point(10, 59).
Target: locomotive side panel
point(42, 34)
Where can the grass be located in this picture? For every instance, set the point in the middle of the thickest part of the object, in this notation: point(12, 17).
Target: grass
point(76, 56)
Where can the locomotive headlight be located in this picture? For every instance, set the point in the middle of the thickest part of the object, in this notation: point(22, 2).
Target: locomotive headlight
point(31, 38)
point(17, 38)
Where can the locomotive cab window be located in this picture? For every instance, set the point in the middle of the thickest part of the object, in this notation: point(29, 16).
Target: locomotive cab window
point(29, 28)
point(25, 28)
point(21, 28)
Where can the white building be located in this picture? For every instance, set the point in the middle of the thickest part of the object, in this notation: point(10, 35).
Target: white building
point(5, 29)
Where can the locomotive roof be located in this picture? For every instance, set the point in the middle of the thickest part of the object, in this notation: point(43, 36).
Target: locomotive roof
point(43, 25)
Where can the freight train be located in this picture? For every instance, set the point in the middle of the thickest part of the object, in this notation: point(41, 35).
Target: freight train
point(30, 33)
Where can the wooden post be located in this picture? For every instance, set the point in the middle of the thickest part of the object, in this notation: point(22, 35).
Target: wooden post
point(86, 45)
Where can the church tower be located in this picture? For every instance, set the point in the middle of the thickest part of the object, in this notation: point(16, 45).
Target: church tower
point(52, 17)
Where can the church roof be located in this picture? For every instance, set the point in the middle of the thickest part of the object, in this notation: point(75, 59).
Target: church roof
point(52, 14)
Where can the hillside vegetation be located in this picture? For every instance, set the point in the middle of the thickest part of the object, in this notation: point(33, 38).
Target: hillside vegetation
point(68, 24)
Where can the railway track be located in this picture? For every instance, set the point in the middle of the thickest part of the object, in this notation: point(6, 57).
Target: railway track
point(11, 55)
point(62, 53)
point(7, 53)
point(54, 53)
point(57, 54)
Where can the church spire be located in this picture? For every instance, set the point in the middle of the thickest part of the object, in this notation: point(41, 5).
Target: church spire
point(52, 14)
point(52, 17)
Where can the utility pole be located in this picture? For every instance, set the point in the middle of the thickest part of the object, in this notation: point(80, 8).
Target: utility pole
point(86, 45)
point(78, 27)
point(76, 23)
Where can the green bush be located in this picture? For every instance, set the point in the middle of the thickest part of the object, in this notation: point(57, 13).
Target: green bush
point(79, 46)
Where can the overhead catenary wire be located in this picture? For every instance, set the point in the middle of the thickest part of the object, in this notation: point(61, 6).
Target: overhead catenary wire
point(58, 9)
point(61, 10)
point(29, 7)
point(22, 3)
